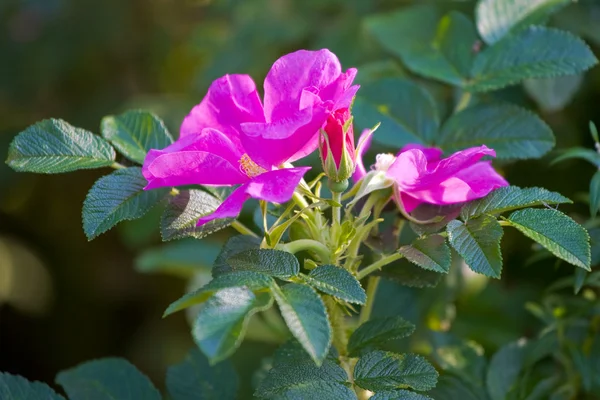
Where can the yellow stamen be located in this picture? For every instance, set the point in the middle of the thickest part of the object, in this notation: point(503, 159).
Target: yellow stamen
point(249, 167)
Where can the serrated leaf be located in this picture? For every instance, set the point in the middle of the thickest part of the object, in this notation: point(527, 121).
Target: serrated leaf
point(107, 379)
point(306, 317)
point(381, 370)
point(399, 395)
point(135, 132)
point(337, 282)
point(588, 155)
point(295, 376)
point(15, 387)
point(511, 131)
point(595, 194)
point(428, 46)
point(277, 263)
point(406, 111)
point(236, 244)
point(511, 198)
point(221, 323)
point(558, 233)
point(497, 18)
point(478, 243)
point(195, 379)
point(377, 331)
point(251, 280)
point(557, 53)
point(408, 274)
point(52, 146)
point(504, 369)
point(117, 197)
point(553, 94)
point(430, 253)
point(183, 212)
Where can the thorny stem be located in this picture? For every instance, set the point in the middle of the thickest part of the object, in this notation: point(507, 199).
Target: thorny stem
point(365, 312)
point(307, 244)
point(243, 229)
point(378, 265)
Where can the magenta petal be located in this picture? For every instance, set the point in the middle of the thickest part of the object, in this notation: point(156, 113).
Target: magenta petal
point(230, 101)
point(276, 186)
point(471, 183)
point(192, 168)
point(431, 153)
point(230, 208)
point(272, 144)
point(291, 74)
point(408, 202)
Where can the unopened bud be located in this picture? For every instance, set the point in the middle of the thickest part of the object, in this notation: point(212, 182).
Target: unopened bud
point(338, 154)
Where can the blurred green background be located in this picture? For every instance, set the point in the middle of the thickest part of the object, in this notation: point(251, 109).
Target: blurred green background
point(64, 300)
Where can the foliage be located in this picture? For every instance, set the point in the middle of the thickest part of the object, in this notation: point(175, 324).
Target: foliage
point(324, 257)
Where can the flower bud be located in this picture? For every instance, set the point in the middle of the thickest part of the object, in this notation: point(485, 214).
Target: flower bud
point(338, 154)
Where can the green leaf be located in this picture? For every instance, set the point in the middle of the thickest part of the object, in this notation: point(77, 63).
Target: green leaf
point(135, 132)
point(439, 49)
point(277, 263)
point(511, 131)
point(408, 274)
point(195, 379)
point(306, 317)
point(295, 376)
point(236, 244)
point(183, 212)
point(452, 388)
point(220, 325)
point(553, 94)
point(53, 146)
point(430, 253)
point(15, 387)
point(337, 282)
point(511, 198)
point(478, 243)
point(558, 233)
point(588, 155)
point(184, 257)
point(455, 37)
point(505, 367)
point(465, 360)
point(377, 331)
point(407, 112)
point(107, 379)
point(557, 53)
point(399, 395)
point(595, 194)
point(118, 197)
point(497, 18)
point(251, 280)
point(381, 370)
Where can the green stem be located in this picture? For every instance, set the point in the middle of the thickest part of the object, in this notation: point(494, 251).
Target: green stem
point(365, 313)
point(307, 244)
point(336, 211)
point(117, 165)
point(243, 229)
point(378, 265)
point(338, 326)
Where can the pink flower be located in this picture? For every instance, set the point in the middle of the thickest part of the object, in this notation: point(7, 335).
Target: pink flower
point(231, 138)
point(420, 176)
